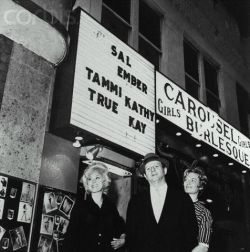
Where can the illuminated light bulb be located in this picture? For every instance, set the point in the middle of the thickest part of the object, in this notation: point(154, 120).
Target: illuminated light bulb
point(77, 144)
point(78, 138)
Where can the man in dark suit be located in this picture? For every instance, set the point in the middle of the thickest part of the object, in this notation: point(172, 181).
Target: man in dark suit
point(162, 218)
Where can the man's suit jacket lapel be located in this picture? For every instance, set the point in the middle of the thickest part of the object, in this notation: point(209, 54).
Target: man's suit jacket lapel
point(148, 209)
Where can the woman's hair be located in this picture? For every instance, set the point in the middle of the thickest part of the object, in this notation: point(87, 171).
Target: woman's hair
point(201, 174)
point(102, 170)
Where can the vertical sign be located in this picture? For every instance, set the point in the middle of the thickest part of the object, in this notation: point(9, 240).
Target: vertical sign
point(114, 93)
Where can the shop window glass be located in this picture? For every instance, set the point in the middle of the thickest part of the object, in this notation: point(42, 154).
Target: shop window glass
point(149, 34)
point(191, 87)
point(149, 52)
point(243, 108)
point(191, 70)
point(213, 102)
point(191, 61)
point(211, 83)
point(116, 18)
point(149, 24)
point(121, 7)
point(211, 77)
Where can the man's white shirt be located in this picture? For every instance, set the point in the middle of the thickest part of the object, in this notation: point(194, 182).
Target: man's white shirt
point(158, 196)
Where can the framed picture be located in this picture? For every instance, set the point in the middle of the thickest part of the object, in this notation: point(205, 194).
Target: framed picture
point(13, 192)
point(28, 192)
point(49, 202)
point(1, 208)
point(10, 214)
point(63, 225)
point(24, 212)
point(47, 224)
point(18, 238)
point(3, 186)
point(44, 243)
point(5, 243)
point(67, 206)
point(2, 232)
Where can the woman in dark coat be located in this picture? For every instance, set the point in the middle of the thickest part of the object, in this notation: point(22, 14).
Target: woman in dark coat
point(95, 224)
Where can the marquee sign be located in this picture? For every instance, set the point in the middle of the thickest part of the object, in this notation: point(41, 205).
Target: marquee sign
point(114, 93)
point(177, 106)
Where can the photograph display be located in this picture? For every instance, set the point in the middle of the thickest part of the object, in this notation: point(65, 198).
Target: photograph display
point(24, 212)
point(5, 243)
point(13, 192)
point(44, 244)
point(63, 224)
point(10, 214)
point(1, 208)
point(67, 206)
point(3, 186)
point(55, 218)
point(18, 238)
point(16, 210)
point(28, 193)
point(2, 232)
point(50, 202)
point(47, 224)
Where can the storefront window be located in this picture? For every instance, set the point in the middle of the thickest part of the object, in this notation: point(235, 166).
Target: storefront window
point(191, 70)
point(149, 34)
point(116, 18)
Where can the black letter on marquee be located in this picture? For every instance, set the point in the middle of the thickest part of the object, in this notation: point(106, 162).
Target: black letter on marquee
point(92, 92)
point(165, 89)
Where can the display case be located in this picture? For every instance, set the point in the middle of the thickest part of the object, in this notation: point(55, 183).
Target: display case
point(52, 219)
point(17, 199)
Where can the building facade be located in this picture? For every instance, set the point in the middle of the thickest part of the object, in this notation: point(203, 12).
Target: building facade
point(201, 46)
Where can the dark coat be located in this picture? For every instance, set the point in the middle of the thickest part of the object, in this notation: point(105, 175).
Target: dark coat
point(176, 231)
point(91, 228)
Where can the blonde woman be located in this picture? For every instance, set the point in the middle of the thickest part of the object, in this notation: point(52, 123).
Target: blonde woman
point(95, 225)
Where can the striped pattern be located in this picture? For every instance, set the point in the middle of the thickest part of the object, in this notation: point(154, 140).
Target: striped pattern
point(205, 221)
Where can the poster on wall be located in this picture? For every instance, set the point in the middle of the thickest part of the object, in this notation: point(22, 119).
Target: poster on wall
point(53, 217)
point(16, 213)
point(114, 97)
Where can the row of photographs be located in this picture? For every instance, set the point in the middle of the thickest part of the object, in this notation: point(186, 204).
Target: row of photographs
point(16, 236)
point(53, 202)
point(55, 219)
point(24, 212)
point(50, 224)
point(27, 194)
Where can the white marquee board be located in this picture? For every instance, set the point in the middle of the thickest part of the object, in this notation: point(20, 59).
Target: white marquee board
point(114, 90)
point(180, 108)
